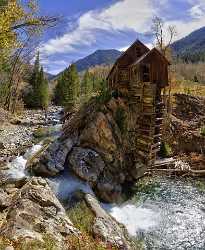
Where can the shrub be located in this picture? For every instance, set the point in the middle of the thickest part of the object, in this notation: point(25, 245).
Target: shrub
point(165, 150)
point(104, 94)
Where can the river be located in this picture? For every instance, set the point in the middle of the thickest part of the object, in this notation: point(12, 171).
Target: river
point(169, 216)
point(164, 214)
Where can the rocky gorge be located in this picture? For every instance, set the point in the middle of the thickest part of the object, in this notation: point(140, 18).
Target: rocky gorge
point(30, 210)
point(88, 162)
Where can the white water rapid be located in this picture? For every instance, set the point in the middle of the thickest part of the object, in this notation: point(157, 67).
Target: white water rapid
point(135, 218)
point(17, 168)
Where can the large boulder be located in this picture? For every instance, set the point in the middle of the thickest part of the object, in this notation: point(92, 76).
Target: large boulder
point(96, 145)
point(99, 134)
point(34, 212)
point(86, 163)
point(50, 160)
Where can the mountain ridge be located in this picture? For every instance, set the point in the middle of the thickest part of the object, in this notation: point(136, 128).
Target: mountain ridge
point(191, 47)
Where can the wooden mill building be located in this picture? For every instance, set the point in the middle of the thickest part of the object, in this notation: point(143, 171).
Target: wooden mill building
point(141, 76)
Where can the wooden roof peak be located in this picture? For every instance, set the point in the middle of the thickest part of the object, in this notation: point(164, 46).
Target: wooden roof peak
point(154, 50)
point(125, 52)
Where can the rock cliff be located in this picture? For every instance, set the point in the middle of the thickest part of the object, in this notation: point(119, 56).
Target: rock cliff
point(95, 146)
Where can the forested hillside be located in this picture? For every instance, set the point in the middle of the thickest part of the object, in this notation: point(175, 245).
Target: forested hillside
point(192, 47)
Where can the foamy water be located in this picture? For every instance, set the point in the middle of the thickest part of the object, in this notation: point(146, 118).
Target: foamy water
point(66, 184)
point(135, 219)
point(173, 219)
point(17, 168)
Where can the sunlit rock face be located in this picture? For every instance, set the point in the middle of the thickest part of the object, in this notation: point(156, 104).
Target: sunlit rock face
point(95, 145)
point(34, 212)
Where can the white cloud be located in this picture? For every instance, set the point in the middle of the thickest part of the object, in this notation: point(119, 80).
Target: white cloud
point(197, 11)
point(123, 15)
point(124, 48)
point(185, 27)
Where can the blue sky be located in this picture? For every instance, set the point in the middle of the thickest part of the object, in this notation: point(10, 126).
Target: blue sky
point(88, 25)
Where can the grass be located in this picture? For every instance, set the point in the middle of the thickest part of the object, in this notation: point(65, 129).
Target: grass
point(188, 87)
point(145, 187)
point(49, 244)
point(83, 218)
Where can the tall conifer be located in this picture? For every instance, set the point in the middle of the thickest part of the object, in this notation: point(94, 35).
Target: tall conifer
point(68, 87)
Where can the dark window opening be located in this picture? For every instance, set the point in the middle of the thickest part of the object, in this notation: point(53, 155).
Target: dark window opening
point(138, 52)
point(145, 73)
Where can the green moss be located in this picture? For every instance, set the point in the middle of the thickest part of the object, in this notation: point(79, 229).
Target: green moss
point(83, 218)
point(203, 131)
point(165, 150)
point(200, 185)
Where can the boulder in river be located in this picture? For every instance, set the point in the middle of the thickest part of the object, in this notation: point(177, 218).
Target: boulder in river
point(86, 163)
point(96, 146)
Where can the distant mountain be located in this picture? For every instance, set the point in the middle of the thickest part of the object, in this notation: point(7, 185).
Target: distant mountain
point(192, 47)
point(48, 75)
point(99, 57)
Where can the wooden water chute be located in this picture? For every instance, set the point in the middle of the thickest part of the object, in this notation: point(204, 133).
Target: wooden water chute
point(141, 75)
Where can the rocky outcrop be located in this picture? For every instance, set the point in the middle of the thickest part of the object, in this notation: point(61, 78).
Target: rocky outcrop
point(34, 212)
point(95, 145)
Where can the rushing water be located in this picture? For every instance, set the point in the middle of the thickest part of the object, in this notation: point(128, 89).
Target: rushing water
point(173, 218)
point(62, 185)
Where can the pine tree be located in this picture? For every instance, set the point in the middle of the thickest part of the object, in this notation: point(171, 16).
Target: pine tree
point(38, 94)
point(68, 87)
point(87, 84)
point(43, 90)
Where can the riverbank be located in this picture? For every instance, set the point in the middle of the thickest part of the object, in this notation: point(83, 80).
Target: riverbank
point(16, 133)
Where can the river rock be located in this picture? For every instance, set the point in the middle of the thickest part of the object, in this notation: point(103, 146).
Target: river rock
point(5, 199)
point(34, 212)
point(86, 163)
point(108, 188)
point(2, 145)
point(51, 160)
point(105, 226)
